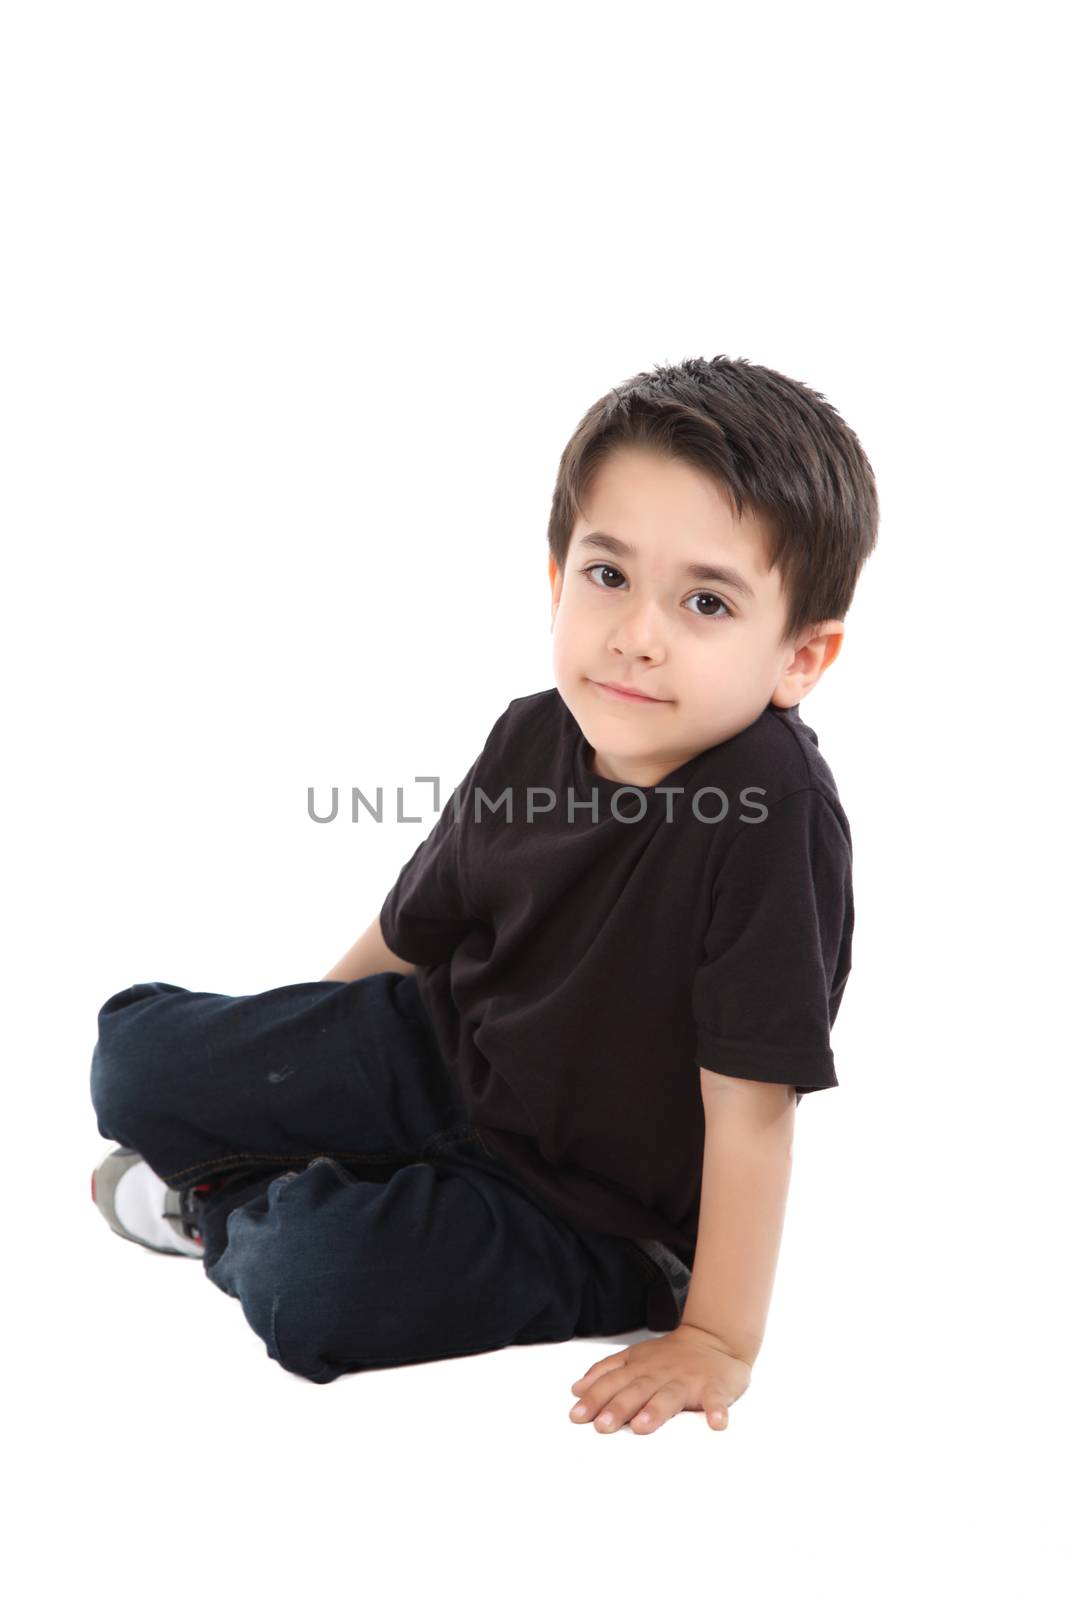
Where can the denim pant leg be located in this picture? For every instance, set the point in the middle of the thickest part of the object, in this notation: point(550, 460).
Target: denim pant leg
point(448, 1257)
point(205, 1084)
point(305, 1093)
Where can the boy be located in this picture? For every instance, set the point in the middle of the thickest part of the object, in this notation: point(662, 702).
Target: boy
point(641, 886)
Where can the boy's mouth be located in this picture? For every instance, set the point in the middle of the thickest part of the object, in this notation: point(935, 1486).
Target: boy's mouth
point(620, 691)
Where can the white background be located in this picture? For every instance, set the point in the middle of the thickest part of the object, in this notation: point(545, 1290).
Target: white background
point(302, 304)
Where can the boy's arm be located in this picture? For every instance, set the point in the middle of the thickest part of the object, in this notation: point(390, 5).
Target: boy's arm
point(705, 1363)
point(368, 955)
point(748, 1153)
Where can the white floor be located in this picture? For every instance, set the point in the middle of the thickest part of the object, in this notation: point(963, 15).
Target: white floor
point(891, 1442)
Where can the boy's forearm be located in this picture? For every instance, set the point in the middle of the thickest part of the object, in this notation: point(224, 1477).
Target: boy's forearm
point(368, 955)
point(748, 1152)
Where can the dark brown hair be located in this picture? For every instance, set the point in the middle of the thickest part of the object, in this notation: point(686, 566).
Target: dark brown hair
point(778, 448)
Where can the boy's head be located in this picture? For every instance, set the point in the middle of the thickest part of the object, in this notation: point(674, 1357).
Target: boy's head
point(718, 465)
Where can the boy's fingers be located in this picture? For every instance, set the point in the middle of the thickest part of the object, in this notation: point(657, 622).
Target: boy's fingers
point(609, 1364)
point(717, 1408)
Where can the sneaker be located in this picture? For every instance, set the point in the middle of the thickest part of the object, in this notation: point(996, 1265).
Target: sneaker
point(139, 1206)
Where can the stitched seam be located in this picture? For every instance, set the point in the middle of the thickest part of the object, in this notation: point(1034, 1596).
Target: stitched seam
point(256, 1157)
point(277, 1352)
point(744, 828)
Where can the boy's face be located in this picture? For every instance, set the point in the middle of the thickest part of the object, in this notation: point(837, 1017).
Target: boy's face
point(707, 651)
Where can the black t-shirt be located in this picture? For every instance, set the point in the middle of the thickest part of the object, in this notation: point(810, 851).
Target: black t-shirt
point(579, 968)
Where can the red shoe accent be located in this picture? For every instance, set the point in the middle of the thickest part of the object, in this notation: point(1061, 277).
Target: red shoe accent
point(94, 1188)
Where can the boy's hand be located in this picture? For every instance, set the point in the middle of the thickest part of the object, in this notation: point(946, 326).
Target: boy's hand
point(686, 1370)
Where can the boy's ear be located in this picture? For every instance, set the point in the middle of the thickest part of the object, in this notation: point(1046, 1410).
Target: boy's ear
point(809, 662)
point(555, 579)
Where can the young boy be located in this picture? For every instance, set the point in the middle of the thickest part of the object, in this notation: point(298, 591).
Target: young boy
point(577, 1031)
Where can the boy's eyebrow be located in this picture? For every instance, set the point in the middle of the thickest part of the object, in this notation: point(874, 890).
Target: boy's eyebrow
point(727, 575)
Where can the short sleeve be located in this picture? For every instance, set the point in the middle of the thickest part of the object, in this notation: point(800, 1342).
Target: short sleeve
point(778, 948)
point(425, 915)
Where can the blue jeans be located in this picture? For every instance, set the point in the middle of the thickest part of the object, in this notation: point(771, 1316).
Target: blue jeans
point(365, 1224)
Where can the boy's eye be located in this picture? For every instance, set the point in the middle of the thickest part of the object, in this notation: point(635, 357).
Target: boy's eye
point(601, 566)
point(705, 594)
